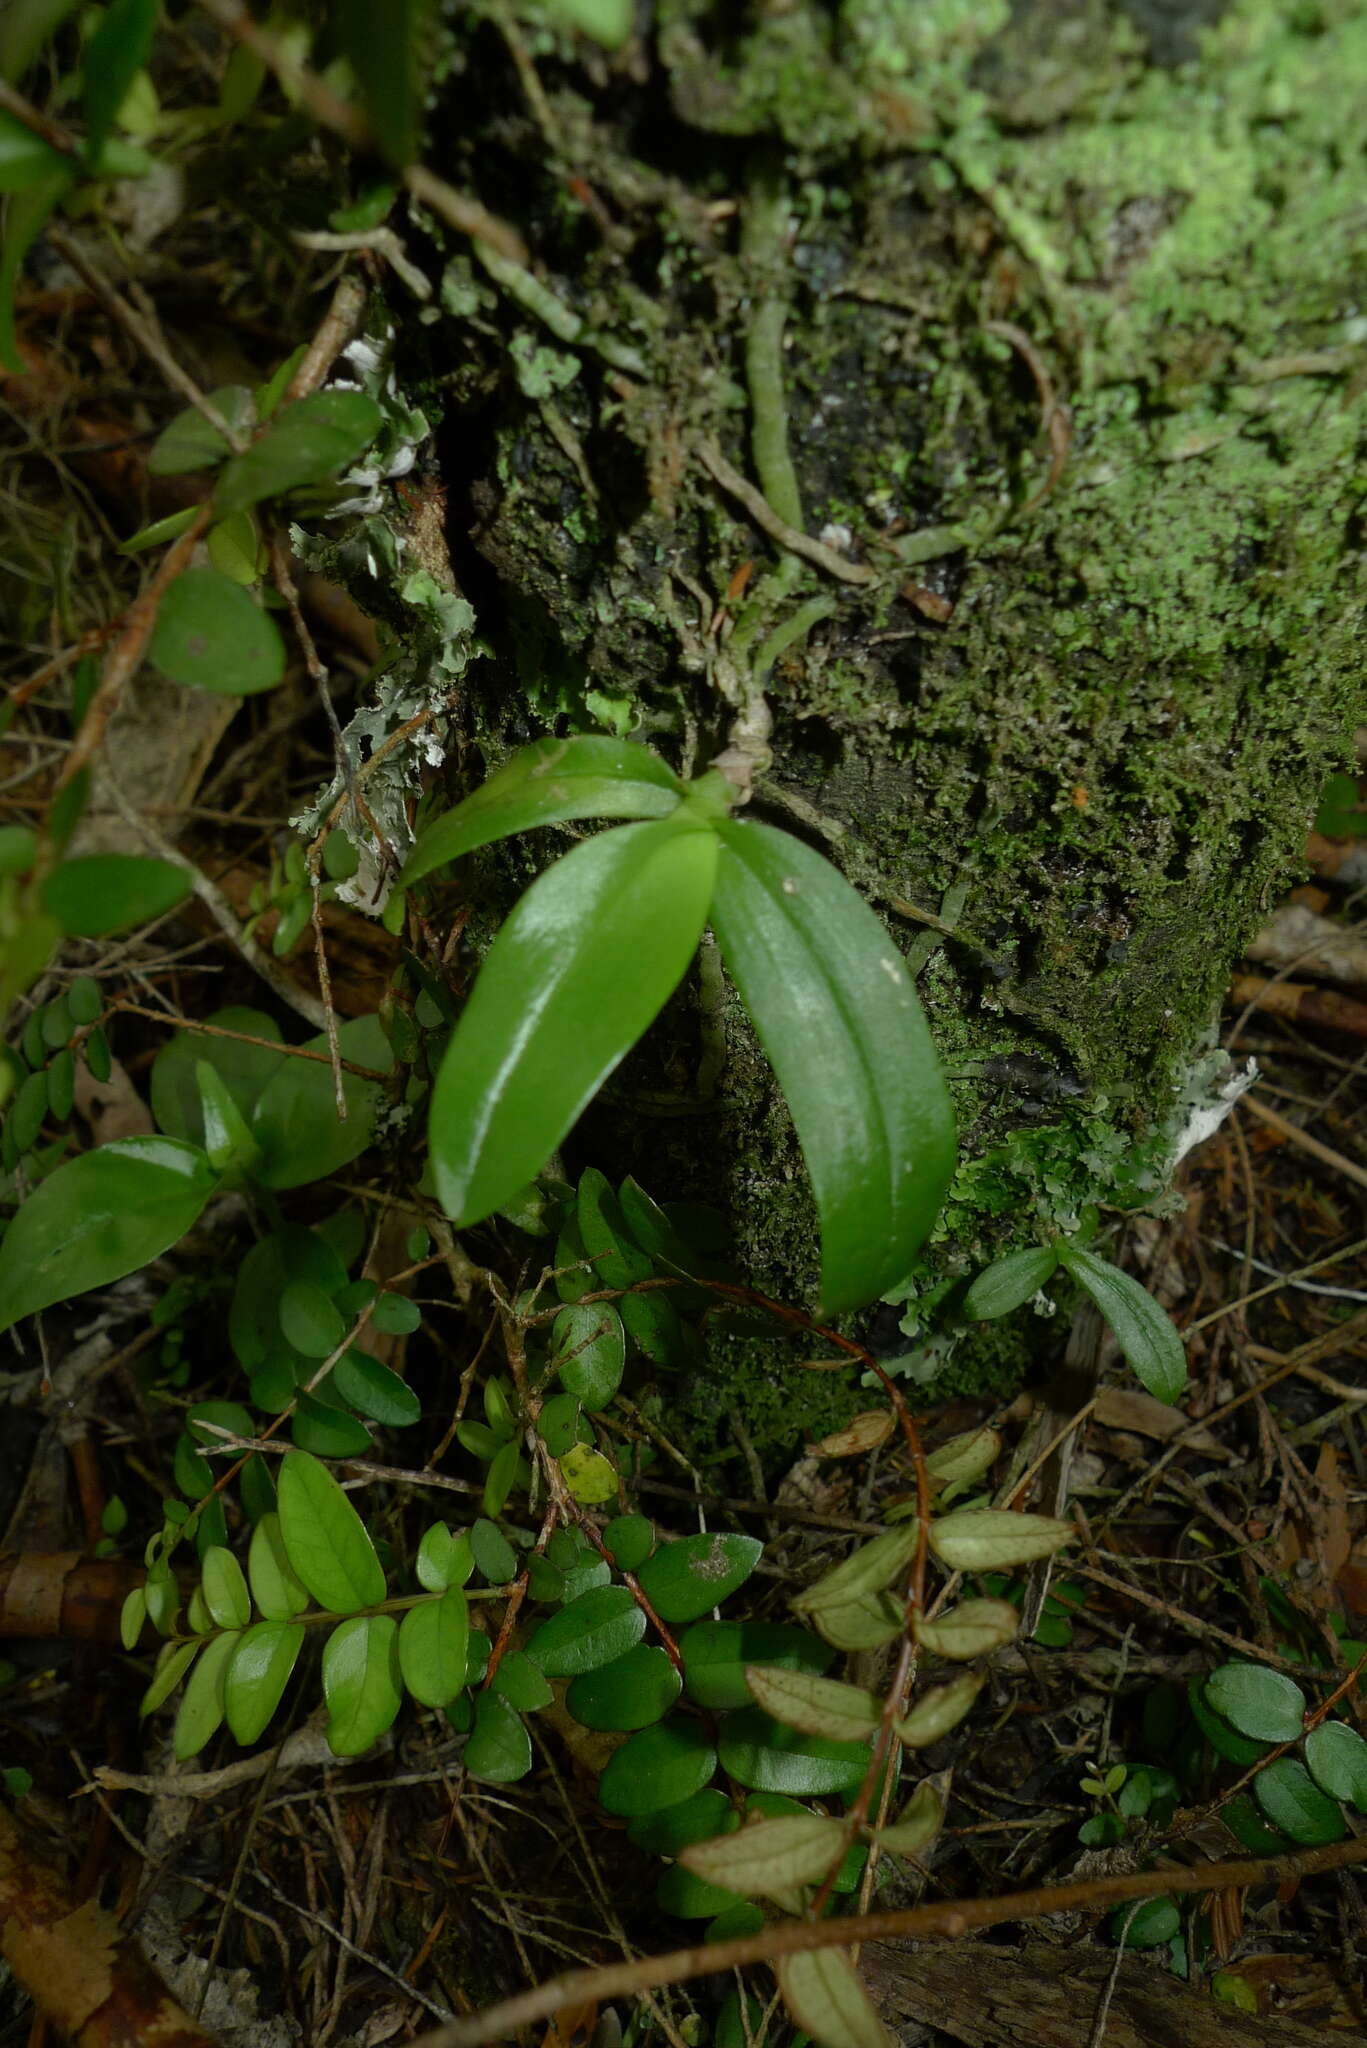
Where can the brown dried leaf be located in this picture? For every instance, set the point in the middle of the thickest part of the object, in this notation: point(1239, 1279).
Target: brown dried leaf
point(862, 1433)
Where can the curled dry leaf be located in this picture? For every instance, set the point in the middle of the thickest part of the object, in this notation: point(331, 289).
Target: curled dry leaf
point(863, 1433)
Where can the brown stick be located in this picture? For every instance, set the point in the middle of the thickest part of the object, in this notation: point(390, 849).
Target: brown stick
point(948, 1920)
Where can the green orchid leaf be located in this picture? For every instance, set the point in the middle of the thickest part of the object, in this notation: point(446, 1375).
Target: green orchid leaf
point(434, 1639)
point(295, 1120)
point(376, 1390)
point(325, 1539)
point(836, 1012)
point(102, 1215)
point(1293, 1802)
point(26, 215)
point(243, 1069)
point(114, 56)
point(1008, 1283)
point(323, 1425)
point(361, 1682)
point(266, 1655)
point(1337, 1756)
point(630, 1539)
point(171, 1666)
point(385, 47)
point(228, 1142)
point(306, 444)
point(586, 961)
point(96, 893)
point(212, 635)
point(793, 1849)
point(548, 784)
point(190, 443)
point(25, 159)
point(444, 1559)
point(1144, 1331)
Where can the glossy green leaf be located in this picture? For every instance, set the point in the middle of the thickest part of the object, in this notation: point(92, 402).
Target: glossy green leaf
point(278, 1591)
point(836, 1012)
point(590, 1631)
point(502, 1476)
point(561, 1424)
point(716, 1654)
point(622, 912)
point(767, 1756)
point(1008, 1283)
point(499, 1751)
point(25, 159)
point(1249, 1828)
point(116, 52)
point(692, 1898)
point(361, 1682)
point(1223, 1739)
point(266, 1655)
point(26, 215)
point(201, 1708)
point(295, 1121)
point(613, 1259)
point(1144, 1331)
point(630, 1538)
point(306, 444)
point(631, 1692)
point(549, 783)
point(325, 1539)
point(816, 1706)
point(229, 1144)
point(444, 1559)
point(823, 1993)
point(652, 1322)
point(327, 1429)
point(272, 1264)
point(657, 1767)
point(93, 894)
point(225, 1588)
point(376, 1390)
point(590, 1343)
point(309, 1320)
point(132, 1617)
point(189, 442)
point(797, 1849)
point(212, 635)
point(671, 1828)
point(521, 1684)
point(100, 1216)
point(685, 1580)
point(1265, 1704)
point(1293, 1802)
point(495, 1558)
point(243, 1069)
point(433, 1640)
point(1337, 1756)
point(396, 1316)
point(993, 1540)
point(385, 47)
point(172, 1665)
point(1153, 1923)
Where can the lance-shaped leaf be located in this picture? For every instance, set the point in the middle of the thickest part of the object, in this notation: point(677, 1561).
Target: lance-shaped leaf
point(266, 1654)
point(971, 1629)
point(991, 1540)
point(307, 443)
point(361, 1682)
point(818, 1706)
point(1008, 1282)
point(1144, 1331)
point(201, 1708)
point(940, 1709)
point(867, 1570)
point(549, 784)
point(102, 1215)
point(837, 1014)
point(586, 961)
point(919, 1822)
point(822, 1991)
point(798, 1849)
point(325, 1540)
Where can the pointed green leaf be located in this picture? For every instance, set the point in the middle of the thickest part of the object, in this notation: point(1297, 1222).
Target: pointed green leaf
point(212, 635)
point(225, 1589)
point(326, 1428)
point(971, 1629)
point(201, 1708)
point(93, 894)
point(548, 784)
point(687, 1579)
point(243, 1069)
point(306, 444)
point(1144, 1331)
point(132, 1617)
point(114, 55)
point(622, 912)
point(266, 1655)
point(295, 1120)
point(816, 1706)
point(100, 1216)
point(822, 1991)
point(26, 215)
point(591, 1345)
point(993, 1540)
point(798, 1849)
point(1265, 1704)
point(614, 1260)
point(657, 1767)
point(227, 1140)
point(277, 1590)
point(631, 1692)
point(325, 1539)
point(189, 442)
point(433, 1640)
point(376, 1390)
point(361, 1682)
point(837, 1014)
point(499, 1751)
point(172, 1665)
point(598, 1627)
point(1008, 1283)
point(25, 159)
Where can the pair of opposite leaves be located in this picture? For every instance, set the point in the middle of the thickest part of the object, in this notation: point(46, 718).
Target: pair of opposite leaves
point(593, 951)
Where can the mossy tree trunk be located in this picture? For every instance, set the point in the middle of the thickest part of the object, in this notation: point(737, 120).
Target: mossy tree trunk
point(1051, 316)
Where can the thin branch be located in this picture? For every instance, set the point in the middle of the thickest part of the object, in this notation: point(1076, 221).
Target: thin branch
point(764, 516)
